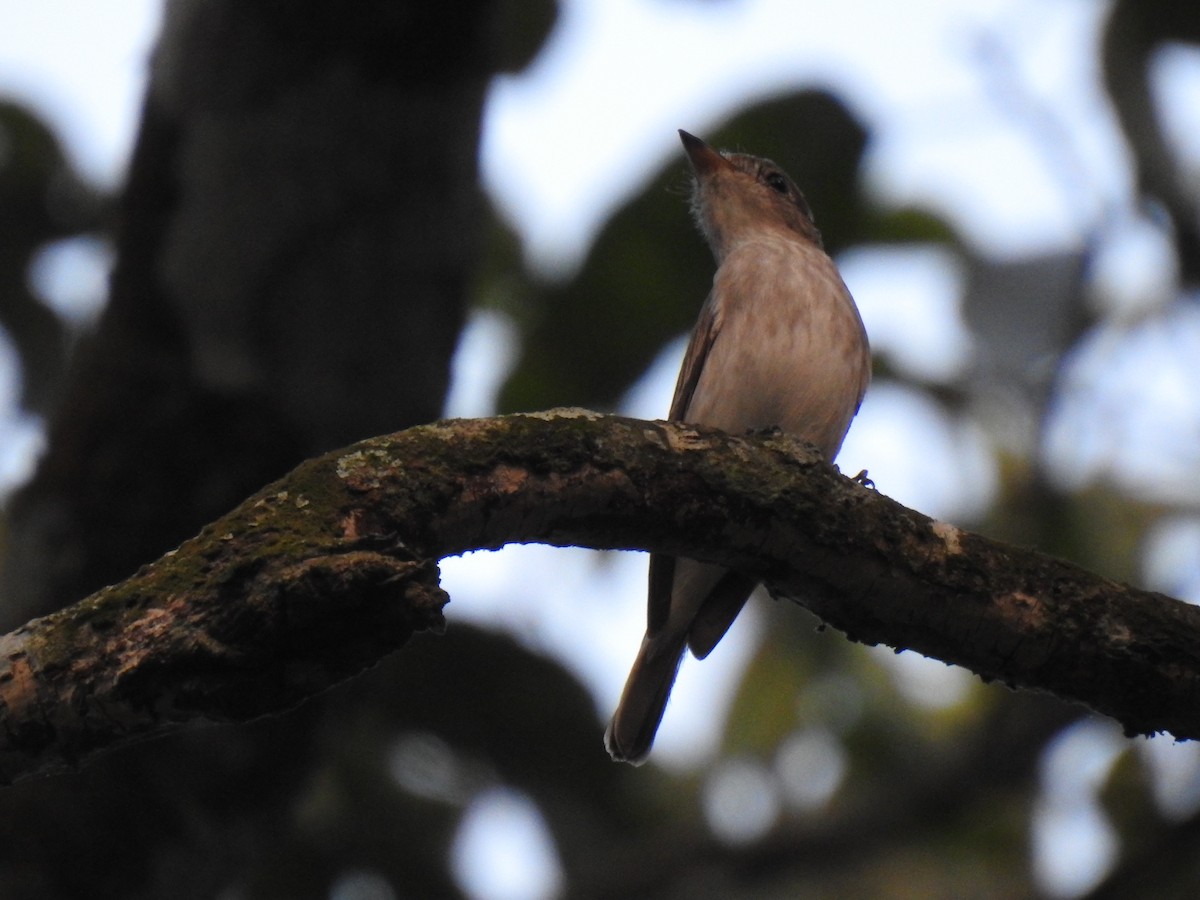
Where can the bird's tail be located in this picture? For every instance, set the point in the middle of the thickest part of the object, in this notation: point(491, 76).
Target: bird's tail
point(644, 699)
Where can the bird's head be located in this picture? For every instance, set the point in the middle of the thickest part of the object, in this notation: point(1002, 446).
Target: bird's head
point(737, 197)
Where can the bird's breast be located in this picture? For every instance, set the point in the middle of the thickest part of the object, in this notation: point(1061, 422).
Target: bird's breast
point(790, 352)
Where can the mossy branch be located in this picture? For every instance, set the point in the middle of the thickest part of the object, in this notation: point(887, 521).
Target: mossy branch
point(322, 573)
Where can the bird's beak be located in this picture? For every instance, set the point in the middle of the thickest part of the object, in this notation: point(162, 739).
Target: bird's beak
point(705, 160)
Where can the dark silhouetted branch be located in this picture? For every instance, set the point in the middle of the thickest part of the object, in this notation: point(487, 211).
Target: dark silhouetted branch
point(322, 573)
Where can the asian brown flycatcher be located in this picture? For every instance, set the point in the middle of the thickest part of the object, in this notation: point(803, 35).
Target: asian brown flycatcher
point(779, 343)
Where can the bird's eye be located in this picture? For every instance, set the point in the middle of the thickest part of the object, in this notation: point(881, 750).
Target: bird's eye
point(777, 182)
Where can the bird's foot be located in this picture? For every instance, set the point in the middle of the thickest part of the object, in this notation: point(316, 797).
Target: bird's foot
point(861, 478)
point(767, 431)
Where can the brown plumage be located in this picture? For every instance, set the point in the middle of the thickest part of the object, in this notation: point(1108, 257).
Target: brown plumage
point(778, 343)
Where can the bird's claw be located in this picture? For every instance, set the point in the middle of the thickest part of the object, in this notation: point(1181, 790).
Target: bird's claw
point(767, 431)
point(861, 478)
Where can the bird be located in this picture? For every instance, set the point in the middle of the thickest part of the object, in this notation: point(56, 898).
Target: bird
point(778, 343)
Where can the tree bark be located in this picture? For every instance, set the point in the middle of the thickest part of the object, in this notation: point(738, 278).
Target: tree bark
point(320, 574)
point(295, 248)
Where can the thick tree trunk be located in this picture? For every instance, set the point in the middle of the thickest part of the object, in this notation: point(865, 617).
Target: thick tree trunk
point(293, 254)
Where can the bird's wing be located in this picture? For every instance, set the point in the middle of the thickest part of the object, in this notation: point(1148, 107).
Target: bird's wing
point(662, 568)
point(703, 336)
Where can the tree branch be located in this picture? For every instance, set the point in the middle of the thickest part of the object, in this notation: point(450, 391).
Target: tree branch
point(319, 575)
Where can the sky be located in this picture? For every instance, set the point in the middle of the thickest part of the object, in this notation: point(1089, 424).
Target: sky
point(935, 126)
point(988, 112)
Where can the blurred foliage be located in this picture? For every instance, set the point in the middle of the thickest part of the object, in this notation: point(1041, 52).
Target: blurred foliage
point(923, 798)
point(522, 27)
point(940, 800)
point(42, 200)
point(648, 272)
